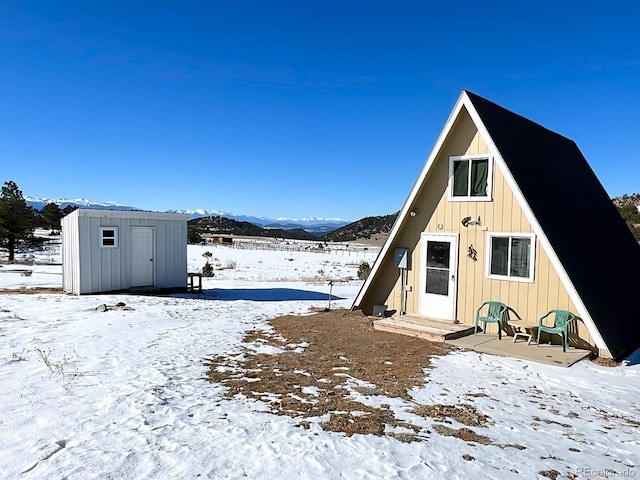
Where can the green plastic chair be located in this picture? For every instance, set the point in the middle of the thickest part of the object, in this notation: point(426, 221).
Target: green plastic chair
point(496, 311)
point(560, 326)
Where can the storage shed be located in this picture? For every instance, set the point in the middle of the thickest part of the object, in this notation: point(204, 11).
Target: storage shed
point(113, 250)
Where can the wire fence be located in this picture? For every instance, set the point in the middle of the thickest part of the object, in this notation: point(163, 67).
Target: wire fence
point(358, 252)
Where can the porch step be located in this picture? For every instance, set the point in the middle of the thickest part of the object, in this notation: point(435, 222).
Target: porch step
point(423, 327)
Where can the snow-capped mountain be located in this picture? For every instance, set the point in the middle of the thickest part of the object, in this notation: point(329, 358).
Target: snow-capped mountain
point(39, 203)
point(312, 225)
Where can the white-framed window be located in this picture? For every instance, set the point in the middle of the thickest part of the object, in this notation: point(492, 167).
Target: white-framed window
point(470, 178)
point(108, 237)
point(511, 256)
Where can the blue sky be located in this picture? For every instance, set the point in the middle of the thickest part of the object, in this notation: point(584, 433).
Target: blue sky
point(297, 108)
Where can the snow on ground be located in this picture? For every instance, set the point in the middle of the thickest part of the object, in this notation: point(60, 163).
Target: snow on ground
point(122, 394)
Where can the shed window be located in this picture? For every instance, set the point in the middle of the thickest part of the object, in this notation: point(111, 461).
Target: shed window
point(470, 178)
point(511, 256)
point(109, 237)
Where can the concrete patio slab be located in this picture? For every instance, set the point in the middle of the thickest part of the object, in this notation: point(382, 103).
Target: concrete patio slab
point(548, 354)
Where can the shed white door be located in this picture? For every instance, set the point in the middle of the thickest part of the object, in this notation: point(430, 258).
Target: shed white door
point(438, 275)
point(142, 256)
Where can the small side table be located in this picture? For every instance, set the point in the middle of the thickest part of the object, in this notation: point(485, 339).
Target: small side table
point(192, 285)
point(521, 329)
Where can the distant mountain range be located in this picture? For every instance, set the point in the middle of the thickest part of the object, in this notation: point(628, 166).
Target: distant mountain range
point(333, 229)
point(39, 203)
point(364, 229)
point(315, 226)
point(228, 226)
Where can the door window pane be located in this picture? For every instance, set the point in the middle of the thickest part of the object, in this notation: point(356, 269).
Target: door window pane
point(437, 281)
point(438, 267)
point(438, 254)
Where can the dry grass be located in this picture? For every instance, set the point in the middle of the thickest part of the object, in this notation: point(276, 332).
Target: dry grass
point(330, 358)
point(31, 290)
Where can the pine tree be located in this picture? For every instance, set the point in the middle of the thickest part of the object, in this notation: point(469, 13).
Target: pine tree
point(16, 218)
point(51, 215)
point(68, 209)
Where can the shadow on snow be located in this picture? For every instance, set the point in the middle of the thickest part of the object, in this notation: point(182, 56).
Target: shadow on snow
point(267, 294)
point(633, 359)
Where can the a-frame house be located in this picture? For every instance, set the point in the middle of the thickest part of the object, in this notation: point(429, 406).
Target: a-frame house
point(507, 210)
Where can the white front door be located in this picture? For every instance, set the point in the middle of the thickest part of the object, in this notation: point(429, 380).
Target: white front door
point(142, 253)
point(438, 275)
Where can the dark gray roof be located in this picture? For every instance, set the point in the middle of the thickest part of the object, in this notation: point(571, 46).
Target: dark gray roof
point(593, 243)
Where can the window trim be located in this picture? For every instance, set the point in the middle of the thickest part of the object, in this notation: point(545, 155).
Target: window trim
point(532, 256)
point(489, 196)
point(103, 238)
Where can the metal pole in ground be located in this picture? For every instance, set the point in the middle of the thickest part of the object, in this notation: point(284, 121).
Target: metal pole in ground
point(330, 291)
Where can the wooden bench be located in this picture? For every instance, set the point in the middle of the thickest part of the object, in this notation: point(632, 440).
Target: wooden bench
point(192, 285)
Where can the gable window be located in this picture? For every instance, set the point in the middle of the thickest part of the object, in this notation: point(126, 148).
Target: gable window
point(510, 256)
point(470, 178)
point(109, 237)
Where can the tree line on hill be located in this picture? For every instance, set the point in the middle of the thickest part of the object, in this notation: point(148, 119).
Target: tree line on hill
point(627, 205)
point(364, 228)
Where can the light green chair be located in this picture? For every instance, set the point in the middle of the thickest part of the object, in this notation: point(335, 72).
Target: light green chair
point(494, 315)
point(560, 326)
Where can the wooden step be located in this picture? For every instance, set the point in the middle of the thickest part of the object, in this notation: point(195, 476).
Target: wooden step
point(423, 327)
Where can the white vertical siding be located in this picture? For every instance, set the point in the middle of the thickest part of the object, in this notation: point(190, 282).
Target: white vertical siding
point(171, 253)
point(70, 253)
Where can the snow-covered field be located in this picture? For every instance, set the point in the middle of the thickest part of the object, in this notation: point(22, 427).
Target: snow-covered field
point(122, 394)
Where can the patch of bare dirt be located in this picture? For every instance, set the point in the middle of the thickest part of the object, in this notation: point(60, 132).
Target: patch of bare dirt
point(538, 420)
point(465, 414)
point(552, 474)
point(464, 434)
point(606, 362)
point(31, 290)
point(325, 358)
